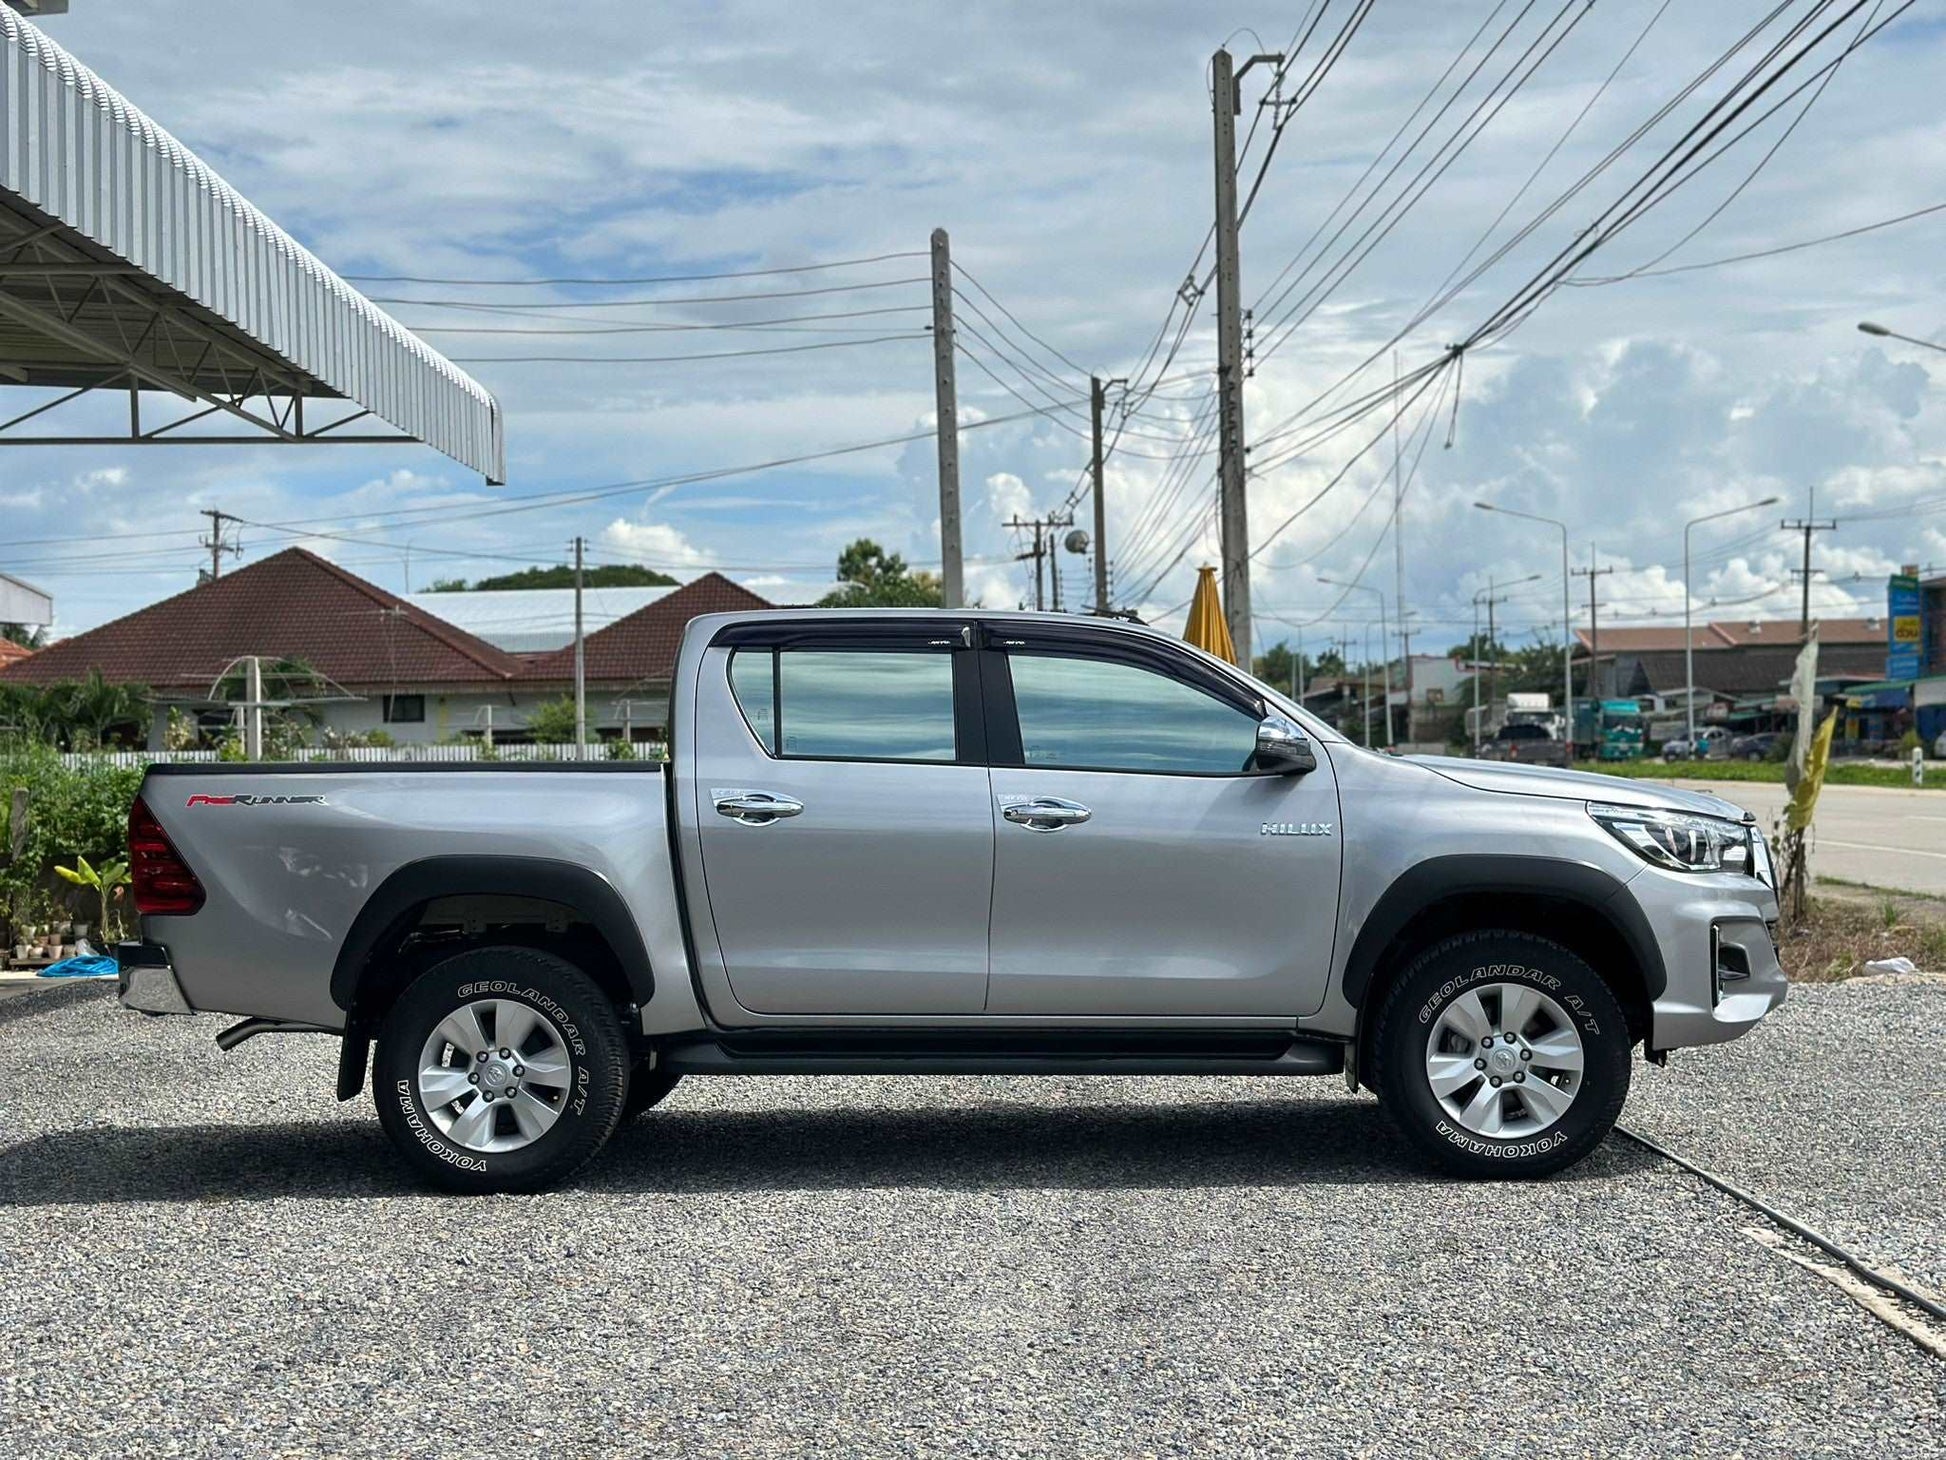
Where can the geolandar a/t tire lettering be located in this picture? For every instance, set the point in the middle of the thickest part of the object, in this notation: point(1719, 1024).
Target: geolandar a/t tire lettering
point(1501, 1054)
point(500, 1069)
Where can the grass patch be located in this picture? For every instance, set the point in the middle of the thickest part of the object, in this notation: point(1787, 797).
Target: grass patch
point(1845, 927)
point(1768, 772)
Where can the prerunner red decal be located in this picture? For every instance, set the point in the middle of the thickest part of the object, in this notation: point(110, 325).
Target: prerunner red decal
point(240, 800)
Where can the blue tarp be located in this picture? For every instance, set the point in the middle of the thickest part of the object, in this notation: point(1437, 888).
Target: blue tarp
point(90, 965)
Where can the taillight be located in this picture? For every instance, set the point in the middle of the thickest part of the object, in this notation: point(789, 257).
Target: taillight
point(162, 881)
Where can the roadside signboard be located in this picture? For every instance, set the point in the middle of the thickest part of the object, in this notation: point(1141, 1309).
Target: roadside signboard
point(1904, 628)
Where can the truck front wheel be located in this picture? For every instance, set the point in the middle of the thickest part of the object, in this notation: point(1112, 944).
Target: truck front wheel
point(1502, 1054)
point(500, 1069)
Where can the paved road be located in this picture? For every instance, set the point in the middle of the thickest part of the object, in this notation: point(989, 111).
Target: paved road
point(1880, 836)
point(202, 1254)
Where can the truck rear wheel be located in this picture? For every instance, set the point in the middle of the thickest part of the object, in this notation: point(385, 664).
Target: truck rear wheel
point(500, 1069)
point(1502, 1054)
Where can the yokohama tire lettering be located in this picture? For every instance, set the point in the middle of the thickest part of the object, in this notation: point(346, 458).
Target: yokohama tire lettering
point(1503, 1150)
point(426, 1138)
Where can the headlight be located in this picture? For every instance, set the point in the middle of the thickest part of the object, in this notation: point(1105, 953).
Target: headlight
point(1678, 840)
point(1761, 867)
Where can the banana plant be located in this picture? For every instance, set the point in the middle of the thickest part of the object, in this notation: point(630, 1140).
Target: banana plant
point(107, 880)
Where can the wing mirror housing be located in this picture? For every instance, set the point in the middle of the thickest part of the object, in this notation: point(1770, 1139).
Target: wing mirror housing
point(1283, 748)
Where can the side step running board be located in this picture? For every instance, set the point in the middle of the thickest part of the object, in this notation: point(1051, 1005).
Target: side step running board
point(710, 1057)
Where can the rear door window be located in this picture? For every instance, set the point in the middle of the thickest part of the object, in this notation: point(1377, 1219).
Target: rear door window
point(848, 704)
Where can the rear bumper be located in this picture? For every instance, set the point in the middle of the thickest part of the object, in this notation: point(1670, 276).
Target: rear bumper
point(146, 980)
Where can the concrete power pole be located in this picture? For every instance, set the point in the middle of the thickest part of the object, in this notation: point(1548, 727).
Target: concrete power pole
point(580, 661)
point(952, 581)
point(215, 542)
point(1233, 513)
point(253, 715)
point(1097, 402)
point(1593, 574)
point(1807, 526)
point(1398, 545)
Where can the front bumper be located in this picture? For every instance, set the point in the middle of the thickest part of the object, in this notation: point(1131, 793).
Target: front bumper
point(1718, 954)
point(146, 980)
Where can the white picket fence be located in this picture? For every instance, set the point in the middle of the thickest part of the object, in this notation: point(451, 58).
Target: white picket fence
point(363, 754)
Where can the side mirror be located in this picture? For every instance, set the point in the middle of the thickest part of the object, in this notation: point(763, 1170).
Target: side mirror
point(1283, 748)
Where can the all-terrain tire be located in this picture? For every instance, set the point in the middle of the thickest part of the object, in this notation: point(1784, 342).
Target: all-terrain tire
point(568, 1022)
point(1478, 964)
point(647, 1088)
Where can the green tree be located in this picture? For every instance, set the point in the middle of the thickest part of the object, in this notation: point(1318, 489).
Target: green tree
point(606, 575)
point(33, 638)
point(873, 578)
point(552, 721)
point(1275, 665)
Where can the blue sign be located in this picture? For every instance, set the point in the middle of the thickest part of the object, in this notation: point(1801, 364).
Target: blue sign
point(1905, 632)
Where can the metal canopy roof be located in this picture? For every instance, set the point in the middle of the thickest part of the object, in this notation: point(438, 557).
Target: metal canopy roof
point(127, 264)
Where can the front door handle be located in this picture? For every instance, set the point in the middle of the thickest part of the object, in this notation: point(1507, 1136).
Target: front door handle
point(755, 808)
point(1046, 813)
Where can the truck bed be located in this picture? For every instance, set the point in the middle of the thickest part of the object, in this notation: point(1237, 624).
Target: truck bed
point(288, 856)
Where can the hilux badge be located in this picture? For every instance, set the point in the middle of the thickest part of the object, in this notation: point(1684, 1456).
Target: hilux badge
point(1297, 828)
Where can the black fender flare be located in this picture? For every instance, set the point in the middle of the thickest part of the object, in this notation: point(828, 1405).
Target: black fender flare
point(586, 891)
point(1474, 874)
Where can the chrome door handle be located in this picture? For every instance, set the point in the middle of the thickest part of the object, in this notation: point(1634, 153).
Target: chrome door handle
point(755, 808)
point(1046, 813)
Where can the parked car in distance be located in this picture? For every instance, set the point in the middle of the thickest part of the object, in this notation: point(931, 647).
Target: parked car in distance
point(1760, 746)
point(1527, 745)
point(1697, 749)
point(953, 842)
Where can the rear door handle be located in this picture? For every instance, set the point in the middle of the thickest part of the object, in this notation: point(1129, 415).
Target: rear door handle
point(1046, 813)
point(755, 808)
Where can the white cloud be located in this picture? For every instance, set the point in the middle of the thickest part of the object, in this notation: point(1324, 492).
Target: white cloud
point(655, 544)
point(1068, 154)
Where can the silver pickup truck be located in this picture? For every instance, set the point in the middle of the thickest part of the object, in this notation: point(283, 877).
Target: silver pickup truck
point(945, 843)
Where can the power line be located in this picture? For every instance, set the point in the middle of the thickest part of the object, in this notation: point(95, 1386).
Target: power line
point(1762, 253)
point(659, 301)
point(909, 253)
point(646, 329)
point(683, 359)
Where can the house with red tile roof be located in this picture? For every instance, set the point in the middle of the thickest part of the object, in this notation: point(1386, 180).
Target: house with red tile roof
point(10, 652)
point(376, 661)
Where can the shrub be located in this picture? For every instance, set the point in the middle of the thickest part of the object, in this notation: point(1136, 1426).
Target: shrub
point(70, 813)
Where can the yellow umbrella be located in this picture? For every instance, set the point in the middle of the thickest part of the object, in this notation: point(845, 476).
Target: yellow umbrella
point(1206, 628)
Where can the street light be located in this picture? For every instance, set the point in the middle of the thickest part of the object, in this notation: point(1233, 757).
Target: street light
point(1867, 327)
point(1688, 637)
point(1491, 600)
point(1384, 644)
point(1567, 615)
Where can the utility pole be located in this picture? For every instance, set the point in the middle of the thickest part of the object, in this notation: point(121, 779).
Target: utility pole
point(952, 582)
point(1233, 514)
point(1043, 529)
point(215, 542)
point(253, 714)
point(580, 662)
point(1398, 544)
point(1097, 400)
point(1807, 525)
point(1592, 573)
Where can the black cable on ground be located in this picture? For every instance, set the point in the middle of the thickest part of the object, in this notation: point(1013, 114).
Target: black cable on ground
point(1885, 1282)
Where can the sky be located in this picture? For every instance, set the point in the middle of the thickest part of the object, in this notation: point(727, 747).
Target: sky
point(1067, 150)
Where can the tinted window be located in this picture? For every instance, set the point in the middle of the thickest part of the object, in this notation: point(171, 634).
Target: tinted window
point(1096, 715)
point(848, 704)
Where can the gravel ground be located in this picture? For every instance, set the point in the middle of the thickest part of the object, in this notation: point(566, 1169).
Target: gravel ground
point(1833, 1109)
point(204, 1254)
